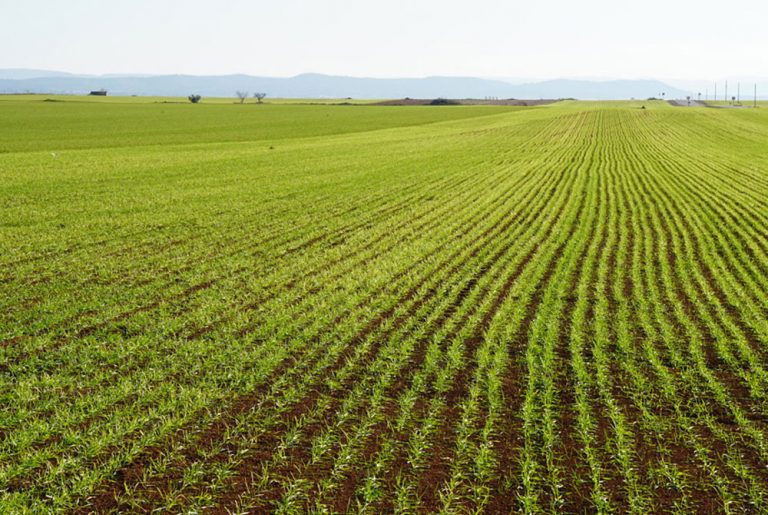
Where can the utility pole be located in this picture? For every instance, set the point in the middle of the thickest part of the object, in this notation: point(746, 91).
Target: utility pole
point(755, 105)
point(706, 94)
point(715, 91)
point(738, 92)
point(726, 91)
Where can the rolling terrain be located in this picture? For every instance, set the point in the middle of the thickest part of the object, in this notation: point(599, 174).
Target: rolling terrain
point(225, 308)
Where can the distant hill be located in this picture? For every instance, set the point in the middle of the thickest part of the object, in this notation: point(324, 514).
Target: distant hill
point(598, 90)
point(313, 85)
point(25, 73)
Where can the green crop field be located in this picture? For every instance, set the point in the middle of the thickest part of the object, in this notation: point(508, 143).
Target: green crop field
point(240, 308)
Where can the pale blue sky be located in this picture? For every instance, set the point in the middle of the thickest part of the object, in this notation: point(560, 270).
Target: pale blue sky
point(490, 38)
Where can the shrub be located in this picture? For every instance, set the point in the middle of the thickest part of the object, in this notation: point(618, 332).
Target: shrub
point(443, 102)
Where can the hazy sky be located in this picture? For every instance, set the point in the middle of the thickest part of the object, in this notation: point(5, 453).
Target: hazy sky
point(404, 38)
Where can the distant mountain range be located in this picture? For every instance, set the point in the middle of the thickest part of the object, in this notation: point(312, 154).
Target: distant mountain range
point(312, 85)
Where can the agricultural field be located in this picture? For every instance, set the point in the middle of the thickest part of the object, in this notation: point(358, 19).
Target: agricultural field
point(744, 102)
point(290, 308)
